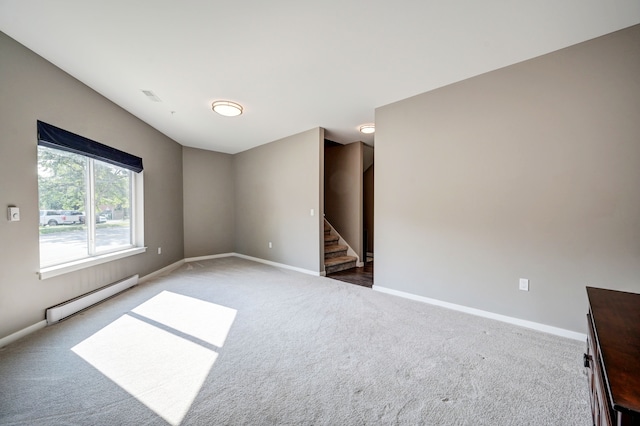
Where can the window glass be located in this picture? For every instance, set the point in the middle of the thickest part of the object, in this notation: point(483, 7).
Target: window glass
point(61, 185)
point(113, 205)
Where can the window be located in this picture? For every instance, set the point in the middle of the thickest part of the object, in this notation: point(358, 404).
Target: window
point(88, 196)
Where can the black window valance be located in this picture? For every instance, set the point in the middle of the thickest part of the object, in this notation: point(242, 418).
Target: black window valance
point(54, 137)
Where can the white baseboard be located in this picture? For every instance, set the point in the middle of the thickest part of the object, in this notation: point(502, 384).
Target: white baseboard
point(359, 264)
point(486, 314)
point(279, 265)
point(21, 333)
point(211, 256)
point(162, 271)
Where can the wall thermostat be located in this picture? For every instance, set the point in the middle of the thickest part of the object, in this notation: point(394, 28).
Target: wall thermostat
point(13, 214)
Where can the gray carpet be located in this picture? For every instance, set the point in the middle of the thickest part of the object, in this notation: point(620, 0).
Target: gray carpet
point(230, 341)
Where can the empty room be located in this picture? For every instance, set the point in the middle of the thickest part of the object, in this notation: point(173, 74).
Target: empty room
point(334, 213)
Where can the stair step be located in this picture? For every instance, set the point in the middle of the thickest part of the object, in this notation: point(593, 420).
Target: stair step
point(327, 227)
point(335, 250)
point(337, 264)
point(330, 239)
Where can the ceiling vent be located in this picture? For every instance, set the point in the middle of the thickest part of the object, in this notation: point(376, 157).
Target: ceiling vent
point(152, 96)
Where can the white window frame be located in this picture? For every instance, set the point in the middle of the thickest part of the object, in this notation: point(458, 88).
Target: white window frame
point(137, 233)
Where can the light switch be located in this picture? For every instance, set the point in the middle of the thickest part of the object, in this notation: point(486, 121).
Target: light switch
point(13, 214)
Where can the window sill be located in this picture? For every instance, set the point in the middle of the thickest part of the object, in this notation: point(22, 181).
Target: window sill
point(54, 271)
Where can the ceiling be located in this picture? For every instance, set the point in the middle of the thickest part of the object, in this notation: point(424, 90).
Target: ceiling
point(293, 65)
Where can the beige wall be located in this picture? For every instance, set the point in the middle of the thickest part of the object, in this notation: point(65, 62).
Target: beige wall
point(531, 171)
point(208, 187)
point(33, 89)
point(343, 192)
point(276, 186)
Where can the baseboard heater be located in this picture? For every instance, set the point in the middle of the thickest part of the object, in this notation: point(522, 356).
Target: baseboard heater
point(70, 307)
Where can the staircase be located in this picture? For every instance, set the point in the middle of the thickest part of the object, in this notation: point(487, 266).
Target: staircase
point(335, 255)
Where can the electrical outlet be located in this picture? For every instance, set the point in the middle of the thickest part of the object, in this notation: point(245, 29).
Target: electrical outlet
point(524, 284)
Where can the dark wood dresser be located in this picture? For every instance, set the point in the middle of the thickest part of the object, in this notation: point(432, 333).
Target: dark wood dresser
point(613, 356)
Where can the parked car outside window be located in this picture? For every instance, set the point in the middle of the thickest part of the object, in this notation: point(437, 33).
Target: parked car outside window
point(59, 217)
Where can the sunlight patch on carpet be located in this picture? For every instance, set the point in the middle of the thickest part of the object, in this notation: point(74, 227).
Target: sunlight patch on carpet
point(204, 320)
point(161, 369)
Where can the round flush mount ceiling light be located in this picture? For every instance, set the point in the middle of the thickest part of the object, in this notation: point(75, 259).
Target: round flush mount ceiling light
point(227, 108)
point(367, 129)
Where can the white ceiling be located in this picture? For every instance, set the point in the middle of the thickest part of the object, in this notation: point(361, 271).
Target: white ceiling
point(294, 64)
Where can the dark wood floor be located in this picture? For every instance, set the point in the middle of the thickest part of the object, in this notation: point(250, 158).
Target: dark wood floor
point(359, 276)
